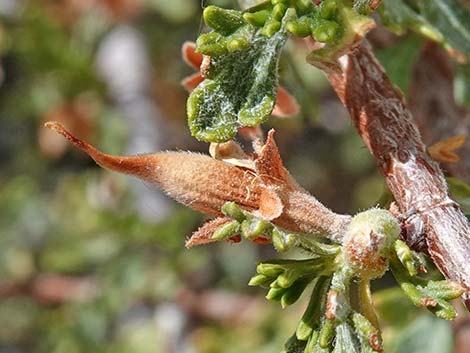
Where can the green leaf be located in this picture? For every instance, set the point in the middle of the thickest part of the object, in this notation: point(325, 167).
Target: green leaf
point(399, 59)
point(398, 16)
point(462, 85)
point(460, 192)
point(240, 87)
point(451, 19)
point(445, 21)
point(426, 334)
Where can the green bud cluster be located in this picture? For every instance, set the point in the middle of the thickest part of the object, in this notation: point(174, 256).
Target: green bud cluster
point(287, 279)
point(320, 22)
point(431, 294)
point(230, 32)
point(329, 323)
point(252, 227)
point(243, 223)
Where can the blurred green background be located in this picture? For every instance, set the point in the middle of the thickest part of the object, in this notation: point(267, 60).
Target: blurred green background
point(91, 261)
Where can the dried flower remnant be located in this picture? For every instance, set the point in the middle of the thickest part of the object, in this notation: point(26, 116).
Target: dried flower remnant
point(444, 151)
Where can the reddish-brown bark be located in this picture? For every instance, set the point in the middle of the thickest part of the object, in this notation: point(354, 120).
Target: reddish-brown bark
point(433, 222)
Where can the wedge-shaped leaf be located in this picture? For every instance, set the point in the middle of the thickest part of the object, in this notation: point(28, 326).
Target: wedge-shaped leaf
point(239, 89)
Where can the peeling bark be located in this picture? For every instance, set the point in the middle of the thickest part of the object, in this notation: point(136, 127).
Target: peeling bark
point(432, 221)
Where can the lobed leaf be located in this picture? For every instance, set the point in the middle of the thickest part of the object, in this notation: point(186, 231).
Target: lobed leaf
point(240, 86)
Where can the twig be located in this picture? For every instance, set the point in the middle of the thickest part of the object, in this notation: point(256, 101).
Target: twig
point(433, 222)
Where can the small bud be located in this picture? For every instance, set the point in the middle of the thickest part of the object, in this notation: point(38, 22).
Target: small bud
point(327, 333)
point(258, 280)
point(275, 294)
point(368, 334)
point(222, 20)
point(231, 209)
point(304, 330)
point(269, 269)
point(271, 27)
point(278, 11)
point(405, 256)
point(303, 6)
point(226, 230)
point(301, 27)
point(257, 19)
point(287, 278)
point(238, 44)
point(312, 342)
point(328, 9)
point(294, 292)
point(212, 44)
point(325, 31)
point(283, 241)
point(254, 227)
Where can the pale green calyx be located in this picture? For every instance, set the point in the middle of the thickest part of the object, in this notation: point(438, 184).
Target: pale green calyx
point(368, 242)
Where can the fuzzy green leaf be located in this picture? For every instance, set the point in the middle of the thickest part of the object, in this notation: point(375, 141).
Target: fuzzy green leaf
point(240, 87)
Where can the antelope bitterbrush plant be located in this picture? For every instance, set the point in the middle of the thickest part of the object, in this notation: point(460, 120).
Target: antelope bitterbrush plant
point(253, 196)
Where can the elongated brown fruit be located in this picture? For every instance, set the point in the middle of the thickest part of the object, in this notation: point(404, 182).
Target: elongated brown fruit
point(206, 184)
point(193, 179)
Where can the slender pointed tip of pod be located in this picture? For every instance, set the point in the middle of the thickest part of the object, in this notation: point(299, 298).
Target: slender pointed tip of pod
point(59, 128)
point(134, 165)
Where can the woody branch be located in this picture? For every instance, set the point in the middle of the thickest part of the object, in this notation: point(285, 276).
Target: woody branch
point(432, 221)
